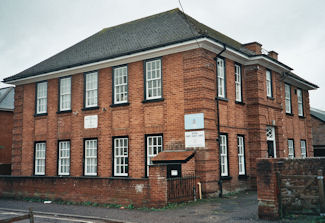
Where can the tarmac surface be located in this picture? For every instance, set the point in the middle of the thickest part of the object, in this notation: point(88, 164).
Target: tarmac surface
point(239, 208)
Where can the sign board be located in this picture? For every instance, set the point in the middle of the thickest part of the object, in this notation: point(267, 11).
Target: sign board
point(174, 172)
point(194, 121)
point(194, 139)
point(90, 121)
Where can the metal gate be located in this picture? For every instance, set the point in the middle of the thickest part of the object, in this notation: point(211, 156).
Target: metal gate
point(181, 189)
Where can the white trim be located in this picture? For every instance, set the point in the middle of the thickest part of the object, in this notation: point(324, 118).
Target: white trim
point(241, 155)
point(61, 158)
point(120, 154)
point(205, 43)
point(224, 154)
point(40, 158)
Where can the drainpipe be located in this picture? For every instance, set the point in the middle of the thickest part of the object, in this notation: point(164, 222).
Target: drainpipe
point(218, 120)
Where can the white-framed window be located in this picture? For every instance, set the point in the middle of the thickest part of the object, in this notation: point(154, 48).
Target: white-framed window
point(65, 94)
point(287, 98)
point(269, 83)
point(221, 78)
point(40, 150)
point(154, 146)
point(90, 157)
point(238, 83)
point(270, 139)
point(291, 149)
point(241, 155)
point(300, 103)
point(120, 75)
point(153, 79)
point(224, 155)
point(91, 89)
point(41, 98)
point(64, 158)
point(303, 148)
point(121, 157)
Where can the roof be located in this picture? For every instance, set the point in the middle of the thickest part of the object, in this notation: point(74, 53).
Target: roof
point(143, 34)
point(163, 29)
point(7, 99)
point(317, 113)
point(295, 76)
point(179, 156)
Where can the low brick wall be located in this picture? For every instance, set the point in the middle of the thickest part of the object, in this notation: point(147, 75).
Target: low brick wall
point(78, 189)
point(142, 192)
point(272, 190)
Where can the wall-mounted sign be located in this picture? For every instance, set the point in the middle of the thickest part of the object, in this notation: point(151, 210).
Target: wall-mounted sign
point(174, 173)
point(90, 121)
point(194, 121)
point(194, 139)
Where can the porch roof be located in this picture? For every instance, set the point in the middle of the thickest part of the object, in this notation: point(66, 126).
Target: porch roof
point(179, 156)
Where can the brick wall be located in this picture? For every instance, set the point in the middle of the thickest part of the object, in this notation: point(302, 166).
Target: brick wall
point(140, 192)
point(78, 189)
point(6, 120)
point(271, 192)
point(189, 86)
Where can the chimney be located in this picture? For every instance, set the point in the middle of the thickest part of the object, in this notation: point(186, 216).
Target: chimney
point(273, 54)
point(254, 46)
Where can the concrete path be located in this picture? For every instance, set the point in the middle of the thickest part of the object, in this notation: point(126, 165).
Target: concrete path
point(237, 208)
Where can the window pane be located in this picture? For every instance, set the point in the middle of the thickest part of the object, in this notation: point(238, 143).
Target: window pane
point(91, 89)
point(153, 79)
point(40, 158)
point(121, 156)
point(287, 98)
point(154, 146)
point(41, 98)
point(91, 157)
point(65, 94)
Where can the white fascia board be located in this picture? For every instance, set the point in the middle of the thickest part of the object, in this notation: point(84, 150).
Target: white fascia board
point(298, 83)
point(158, 52)
point(246, 60)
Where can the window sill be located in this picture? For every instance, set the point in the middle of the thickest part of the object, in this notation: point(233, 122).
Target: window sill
point(64, 175)
point(38, 115)
point(221, 99)
point(90, 108)
point(62, 112)
point(153, 100)
point(239, 103)
point(243, 177)
point(302, 117)
point(91, 176)
point(120, 177)
point(118, 105)
point(270, 98)
point(226, 178)
point(289, 114)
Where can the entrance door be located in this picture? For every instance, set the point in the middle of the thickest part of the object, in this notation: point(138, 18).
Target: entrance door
point(270, 137)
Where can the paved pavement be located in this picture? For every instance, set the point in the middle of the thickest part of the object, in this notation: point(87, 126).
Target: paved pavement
point(237, 208)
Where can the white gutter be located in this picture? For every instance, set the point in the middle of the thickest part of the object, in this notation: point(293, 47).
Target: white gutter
point(205, 43)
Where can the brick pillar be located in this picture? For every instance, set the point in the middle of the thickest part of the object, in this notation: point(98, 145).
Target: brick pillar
point(158, 185)
point(267, 189)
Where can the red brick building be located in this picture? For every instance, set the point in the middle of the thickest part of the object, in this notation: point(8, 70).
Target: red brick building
point(105, 106)
point(318, 131)
point(6, 124)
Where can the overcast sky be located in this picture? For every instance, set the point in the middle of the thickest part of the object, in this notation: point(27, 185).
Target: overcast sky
point(33, 30)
